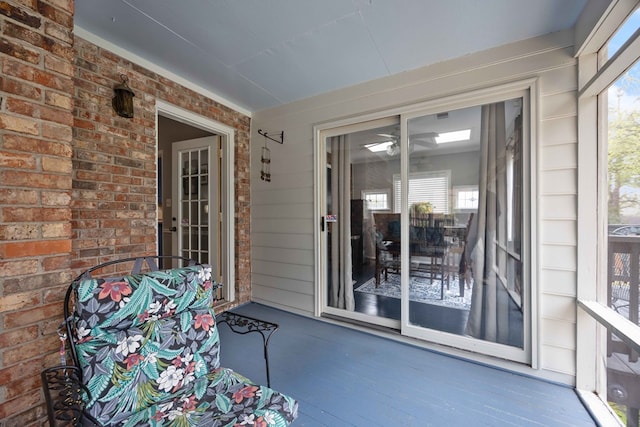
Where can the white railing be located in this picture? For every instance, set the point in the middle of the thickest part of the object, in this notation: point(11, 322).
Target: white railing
point(621, 318)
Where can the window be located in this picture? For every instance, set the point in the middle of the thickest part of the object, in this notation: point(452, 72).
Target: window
point(377, 200)
point(611, 128)
point(622, 35)
point(466, 197)
point(432, 187)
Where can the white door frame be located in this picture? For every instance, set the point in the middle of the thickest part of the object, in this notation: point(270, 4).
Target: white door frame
point(227, 177)
point(529, 355)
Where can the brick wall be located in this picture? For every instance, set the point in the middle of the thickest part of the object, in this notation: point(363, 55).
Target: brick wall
point(114, 174)
point(36, 104)
point(77, 182)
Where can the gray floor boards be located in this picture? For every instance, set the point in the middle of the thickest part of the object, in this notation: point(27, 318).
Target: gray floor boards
point(343, 377)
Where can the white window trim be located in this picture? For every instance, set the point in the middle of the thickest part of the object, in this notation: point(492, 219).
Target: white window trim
point(592, 228)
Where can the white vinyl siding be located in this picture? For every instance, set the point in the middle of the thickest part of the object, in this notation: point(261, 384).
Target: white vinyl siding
point(290, 194)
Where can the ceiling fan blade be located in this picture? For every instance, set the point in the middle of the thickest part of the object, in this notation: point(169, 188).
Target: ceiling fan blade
point(425, 139)
point(429, 143)
point(425, 135)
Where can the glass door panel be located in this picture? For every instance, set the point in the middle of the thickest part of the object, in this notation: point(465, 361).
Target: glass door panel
point(198, 201)
point(464, 202)
point(362, 224)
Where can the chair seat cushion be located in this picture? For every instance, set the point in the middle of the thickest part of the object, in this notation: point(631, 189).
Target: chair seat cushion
point(221, 398)
point(148, 347)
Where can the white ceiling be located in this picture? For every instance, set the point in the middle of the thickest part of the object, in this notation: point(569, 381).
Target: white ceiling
point(258, 54)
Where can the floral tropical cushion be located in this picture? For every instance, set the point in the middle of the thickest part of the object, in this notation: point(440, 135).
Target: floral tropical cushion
point(149, 350)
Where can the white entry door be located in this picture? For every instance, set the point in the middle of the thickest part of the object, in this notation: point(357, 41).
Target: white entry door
point(196, 192)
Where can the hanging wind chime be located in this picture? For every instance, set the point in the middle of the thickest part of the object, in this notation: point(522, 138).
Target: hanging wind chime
point(265, 172)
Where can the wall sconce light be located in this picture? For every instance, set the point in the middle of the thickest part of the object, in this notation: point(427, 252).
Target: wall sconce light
point(122, 102)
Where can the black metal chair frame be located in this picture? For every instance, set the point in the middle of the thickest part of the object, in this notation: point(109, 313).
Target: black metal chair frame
point(63, 386)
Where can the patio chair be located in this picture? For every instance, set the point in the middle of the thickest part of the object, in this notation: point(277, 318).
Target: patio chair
point(145, 351)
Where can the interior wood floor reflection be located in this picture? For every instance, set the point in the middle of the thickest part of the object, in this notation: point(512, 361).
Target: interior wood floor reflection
point(431, 316)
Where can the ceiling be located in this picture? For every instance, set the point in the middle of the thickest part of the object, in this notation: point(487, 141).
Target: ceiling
point(257, 54)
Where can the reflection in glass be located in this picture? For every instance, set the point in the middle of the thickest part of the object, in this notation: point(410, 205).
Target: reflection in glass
point(465, 245)
point(464, 205)
point(357, 244)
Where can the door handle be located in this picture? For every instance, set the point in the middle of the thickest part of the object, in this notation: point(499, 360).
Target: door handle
point(174, 228)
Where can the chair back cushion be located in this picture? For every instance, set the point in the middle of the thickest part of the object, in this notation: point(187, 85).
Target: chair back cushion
point(145, 338)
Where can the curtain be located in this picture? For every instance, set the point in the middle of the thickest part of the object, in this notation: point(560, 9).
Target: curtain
point(488, 308)
point(341, 284)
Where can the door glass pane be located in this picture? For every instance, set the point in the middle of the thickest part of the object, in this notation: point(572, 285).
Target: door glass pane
point(195, 204)
point(623, 273)
point(465, 214)
point(362, 229)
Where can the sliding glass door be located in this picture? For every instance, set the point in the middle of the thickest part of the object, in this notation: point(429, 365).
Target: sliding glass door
point(360, 163)
point(464, 187)
point(425, 223)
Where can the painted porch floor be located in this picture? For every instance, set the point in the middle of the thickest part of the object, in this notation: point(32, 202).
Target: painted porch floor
point(344, 377)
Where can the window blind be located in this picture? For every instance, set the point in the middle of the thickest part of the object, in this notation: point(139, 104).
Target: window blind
point(432, 187)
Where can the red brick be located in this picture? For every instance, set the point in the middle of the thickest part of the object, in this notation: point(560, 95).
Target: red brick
point(58, 165)
point(54, 263)
point(29, 350)
point(56, 230)
point(16, 160)
point(43, 280)
point(18, 268)
point(17, 405)
point(35, 180)
point(57, 132)
point(13, 196)
point(30, 4)
point(56, 115)
point(53, 295)
point(22, 386)
point(33, 145)
point(27, 35)
point(59, 32)
point(20, 370)
point(19, 51)
point(21, 88)
point(64, 5)
point(19, 15)
point(38, 214)
point(20, 231)
point(19, 124)
point(9, 339)
point(63, 17)
point(32, 316)
point(58, 65)
point(18, 301)
point(59, 100)
point(37, 248)
point(56, 198)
